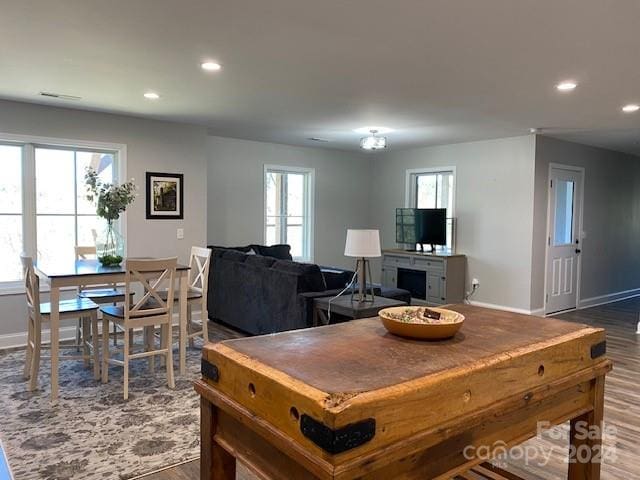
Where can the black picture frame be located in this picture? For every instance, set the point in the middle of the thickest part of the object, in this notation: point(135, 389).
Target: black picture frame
point(173, 208)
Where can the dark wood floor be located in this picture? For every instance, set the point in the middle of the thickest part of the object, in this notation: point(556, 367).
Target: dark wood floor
point(622, 404)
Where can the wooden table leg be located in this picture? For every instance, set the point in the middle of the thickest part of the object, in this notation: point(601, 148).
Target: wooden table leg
point(215, 462)
point(586, 438)
point(182, 340)
point(55, 339)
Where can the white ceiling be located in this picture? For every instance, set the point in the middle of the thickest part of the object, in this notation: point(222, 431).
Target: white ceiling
point(437, 71)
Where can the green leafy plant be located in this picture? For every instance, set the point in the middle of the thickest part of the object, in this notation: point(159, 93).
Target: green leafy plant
point(111, 200)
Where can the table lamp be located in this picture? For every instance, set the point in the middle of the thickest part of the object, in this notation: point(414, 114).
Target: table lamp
point(363, 244)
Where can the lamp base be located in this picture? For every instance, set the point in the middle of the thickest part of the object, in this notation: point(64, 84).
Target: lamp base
point(362, 296)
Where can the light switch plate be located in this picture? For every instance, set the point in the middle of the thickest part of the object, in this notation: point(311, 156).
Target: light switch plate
point(180, 233)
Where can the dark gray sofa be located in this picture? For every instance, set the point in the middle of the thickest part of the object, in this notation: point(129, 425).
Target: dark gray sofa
point(260, 294)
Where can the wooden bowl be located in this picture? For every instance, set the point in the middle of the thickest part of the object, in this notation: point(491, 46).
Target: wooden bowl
point(426, 331)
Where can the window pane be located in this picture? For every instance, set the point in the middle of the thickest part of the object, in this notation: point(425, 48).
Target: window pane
point(87, 226)
point(563, 229)
point(56, 239)
point(55, 181)
point(426, 192)
point(285, 209)
point(273, 181)
point(11, 247)
point(295, 194)
point(11, 179)
point(103, 163)
point(295, 239)
point(271, 235)
point(274, 226)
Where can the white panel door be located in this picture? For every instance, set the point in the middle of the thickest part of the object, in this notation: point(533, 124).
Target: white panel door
point(563, 244)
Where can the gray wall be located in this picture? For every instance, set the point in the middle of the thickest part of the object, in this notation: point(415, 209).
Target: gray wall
point(151, 145)
point(494, 209)
point(235, 183)
point(611, 219)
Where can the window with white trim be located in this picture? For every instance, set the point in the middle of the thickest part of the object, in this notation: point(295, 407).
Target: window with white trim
point(434, 188)
point(43, 209)
point(288, 214)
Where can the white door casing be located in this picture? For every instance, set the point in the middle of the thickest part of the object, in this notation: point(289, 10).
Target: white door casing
point(564, 239)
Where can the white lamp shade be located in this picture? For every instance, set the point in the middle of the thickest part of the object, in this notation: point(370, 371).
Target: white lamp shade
point(362, 243)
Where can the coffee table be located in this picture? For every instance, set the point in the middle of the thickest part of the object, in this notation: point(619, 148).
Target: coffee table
point(351, 401)
point(349, 308)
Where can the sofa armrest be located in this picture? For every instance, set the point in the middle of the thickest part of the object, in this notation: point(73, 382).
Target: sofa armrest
point(335, 277)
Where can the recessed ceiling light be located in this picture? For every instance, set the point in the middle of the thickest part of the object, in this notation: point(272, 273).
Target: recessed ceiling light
point(566, 86)
point(151, 95)
point(367, 130)
point(632, 107)
point(210, 66)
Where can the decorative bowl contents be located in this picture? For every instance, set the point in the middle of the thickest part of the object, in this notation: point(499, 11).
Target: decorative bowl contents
point(421, 322)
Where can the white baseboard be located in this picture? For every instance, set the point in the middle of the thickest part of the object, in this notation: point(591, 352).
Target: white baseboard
point(608, 298)
point(13, 340)
point(536, 312)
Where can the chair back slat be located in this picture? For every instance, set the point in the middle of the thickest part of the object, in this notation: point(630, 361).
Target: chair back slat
point(151, 275)
point(90, 253)
point(86, 252)
point(31, 284)
point(199, 273)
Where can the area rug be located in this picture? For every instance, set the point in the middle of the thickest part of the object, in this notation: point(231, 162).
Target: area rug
point(92, 433)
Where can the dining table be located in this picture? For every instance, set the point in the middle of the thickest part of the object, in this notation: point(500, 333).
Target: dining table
point(90, 272)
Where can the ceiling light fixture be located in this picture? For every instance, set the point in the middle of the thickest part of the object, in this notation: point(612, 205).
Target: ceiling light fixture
point(632, 107)
point(151, 95)
point(372, 142)
point(566, 86)
point(211, 66)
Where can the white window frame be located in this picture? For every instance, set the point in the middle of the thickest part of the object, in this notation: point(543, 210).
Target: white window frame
point(410, 192)
point(309, 206)
point(29, 217)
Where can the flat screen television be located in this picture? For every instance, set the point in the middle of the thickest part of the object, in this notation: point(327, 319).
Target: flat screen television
point(426, 226)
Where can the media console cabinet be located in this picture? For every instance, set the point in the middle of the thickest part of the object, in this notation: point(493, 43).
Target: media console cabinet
point(438, 279)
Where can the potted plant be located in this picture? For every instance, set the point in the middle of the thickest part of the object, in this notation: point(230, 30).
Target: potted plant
point(111, 200)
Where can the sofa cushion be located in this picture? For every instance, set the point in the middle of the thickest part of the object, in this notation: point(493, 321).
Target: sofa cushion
point(260, 261)
point(234, 256)
point(281, 252)
point(310, 276)
point(335, 277)
point(237, 249)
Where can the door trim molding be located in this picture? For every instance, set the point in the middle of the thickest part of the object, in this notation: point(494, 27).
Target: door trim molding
point(582, 171)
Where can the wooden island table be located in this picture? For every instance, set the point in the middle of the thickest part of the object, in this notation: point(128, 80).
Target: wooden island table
point(352, 401)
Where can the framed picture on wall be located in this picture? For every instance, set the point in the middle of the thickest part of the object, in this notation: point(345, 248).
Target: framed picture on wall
point(165, 196)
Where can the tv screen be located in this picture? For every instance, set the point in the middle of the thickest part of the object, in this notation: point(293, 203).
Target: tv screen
point(431, 226)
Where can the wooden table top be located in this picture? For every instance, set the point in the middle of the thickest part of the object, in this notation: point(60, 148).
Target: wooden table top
point(361, 356)
point(79, 268)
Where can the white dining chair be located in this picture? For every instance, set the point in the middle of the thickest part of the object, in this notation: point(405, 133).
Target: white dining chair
point(199, 262)
point(149, 312)
point(39, 313)
point(101, 294)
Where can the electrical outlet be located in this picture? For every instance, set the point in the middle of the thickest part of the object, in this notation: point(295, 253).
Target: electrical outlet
point(475, 282)
point(180, 233)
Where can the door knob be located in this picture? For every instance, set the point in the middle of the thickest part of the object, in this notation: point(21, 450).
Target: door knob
point(578, 250)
